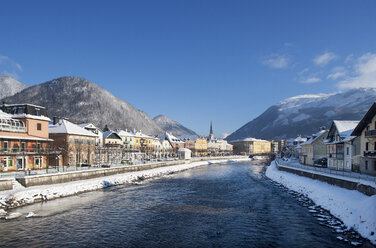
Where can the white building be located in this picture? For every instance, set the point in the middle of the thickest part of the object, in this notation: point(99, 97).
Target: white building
point(98, 132)
point(340, 145)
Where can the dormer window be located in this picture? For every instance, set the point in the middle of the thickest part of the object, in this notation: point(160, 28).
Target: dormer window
point(37, 112)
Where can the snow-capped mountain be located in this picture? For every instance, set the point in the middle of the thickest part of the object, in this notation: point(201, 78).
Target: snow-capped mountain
point(172, 126)
point(82, 101)
point(10, 86)
point(305, 114)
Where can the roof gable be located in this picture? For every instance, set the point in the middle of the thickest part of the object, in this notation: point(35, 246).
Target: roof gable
point(67, 127)
point(365, 120)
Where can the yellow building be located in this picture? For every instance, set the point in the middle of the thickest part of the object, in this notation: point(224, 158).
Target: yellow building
point(251, 146)
point(201, 147)
point(143, 143)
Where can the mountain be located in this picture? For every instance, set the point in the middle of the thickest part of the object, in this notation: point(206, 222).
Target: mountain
point(305, 114)
point(172, 126)
point(10, 86)
point(82, 101)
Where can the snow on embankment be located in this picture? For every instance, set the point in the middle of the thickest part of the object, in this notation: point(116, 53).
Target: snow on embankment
point(24, 196)
point(355, 209)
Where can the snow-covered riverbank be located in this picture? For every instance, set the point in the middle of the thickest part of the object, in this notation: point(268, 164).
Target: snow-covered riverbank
point(355, 209)
point(21, 196)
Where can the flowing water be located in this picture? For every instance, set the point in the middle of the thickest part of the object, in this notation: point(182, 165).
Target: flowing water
point(219, 205)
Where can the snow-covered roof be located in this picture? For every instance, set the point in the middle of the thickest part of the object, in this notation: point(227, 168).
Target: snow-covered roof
point(141, 135)
point(314, 137)
point(4, 115)
point(172, 138)
point(248, 140)
point(125, 133)
point(67, 127)
point(188, 137)
point(345, 128)
point(184, 150)
point(36, 117)
point(109, 133)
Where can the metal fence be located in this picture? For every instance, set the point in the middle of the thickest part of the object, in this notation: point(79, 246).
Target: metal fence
point(354, 175)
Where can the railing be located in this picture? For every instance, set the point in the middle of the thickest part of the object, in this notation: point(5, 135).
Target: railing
point(370, 153)
point(370, 133)
point(61, 169)
point(10, 128)
point(350, 174)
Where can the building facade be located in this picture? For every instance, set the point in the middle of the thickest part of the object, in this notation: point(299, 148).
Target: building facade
point(314, 148)
point(24, 140)
point(340, 145)
point(77, 145)
point(366, 130)
point(251, 146)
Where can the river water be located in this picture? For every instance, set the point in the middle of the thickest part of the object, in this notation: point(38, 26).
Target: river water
point(219, 205)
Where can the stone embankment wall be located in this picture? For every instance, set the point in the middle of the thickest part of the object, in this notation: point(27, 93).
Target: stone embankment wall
point(365, 189)
point(46, 179)
point(6, 184)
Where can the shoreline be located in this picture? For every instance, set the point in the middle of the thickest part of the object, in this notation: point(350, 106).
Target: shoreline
point(356, 210)
point(22, 196)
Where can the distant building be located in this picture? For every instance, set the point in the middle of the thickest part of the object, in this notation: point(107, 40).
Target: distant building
point(366, 129)
point(24, 139)
point(184, 153)
point(314, 148)
point(90, 127)
point(251, 146)
point(112, 139)
point(175, 142)
point(128, 139)
point(340, 145)
point(76, 143)
point(296, 141)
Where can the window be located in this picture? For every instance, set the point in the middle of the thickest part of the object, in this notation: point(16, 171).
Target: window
point(5, 145)
point(20, 163)
point(39, 126)
point(347, 150)
point(39, 146)
point(71, 140)
point(7, 162)
point(23, 146)
point(367, 144)
point(37, 112)
point(366, 164)
point(374, 165)
point(38, 162)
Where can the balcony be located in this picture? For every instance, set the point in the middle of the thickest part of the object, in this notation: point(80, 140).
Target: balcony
point(370, 133)
point(10, 125)
point(370, 153)
point(20, 151)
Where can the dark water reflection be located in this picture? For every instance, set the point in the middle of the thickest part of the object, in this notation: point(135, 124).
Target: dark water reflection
point(228, 205)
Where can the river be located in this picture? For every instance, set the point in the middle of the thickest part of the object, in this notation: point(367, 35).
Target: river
point(218, 205)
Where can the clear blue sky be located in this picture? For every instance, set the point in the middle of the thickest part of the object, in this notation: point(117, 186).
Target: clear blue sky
point(194, 61)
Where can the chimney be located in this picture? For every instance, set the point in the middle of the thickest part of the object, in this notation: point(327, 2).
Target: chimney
point(54, 120)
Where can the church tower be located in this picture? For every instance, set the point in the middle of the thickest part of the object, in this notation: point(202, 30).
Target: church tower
point(211, 135)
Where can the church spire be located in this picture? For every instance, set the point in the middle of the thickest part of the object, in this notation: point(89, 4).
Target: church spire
point(211, 135)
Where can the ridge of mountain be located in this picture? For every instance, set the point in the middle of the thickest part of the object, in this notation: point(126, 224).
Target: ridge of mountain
point(172, 126)
point(10, 86)
point(82, 101)
point(305, 114)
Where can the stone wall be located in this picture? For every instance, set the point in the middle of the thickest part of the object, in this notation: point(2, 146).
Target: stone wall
point(365, 189)
point(6, 184)
point(46, 179)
